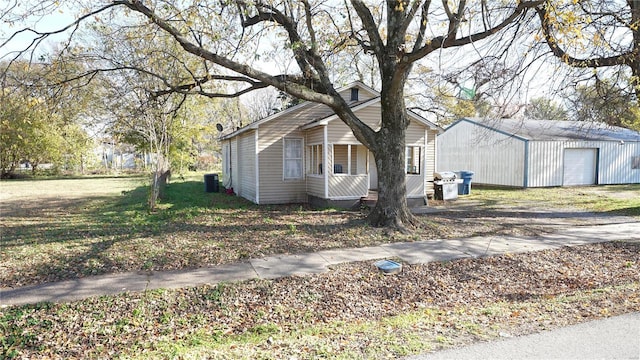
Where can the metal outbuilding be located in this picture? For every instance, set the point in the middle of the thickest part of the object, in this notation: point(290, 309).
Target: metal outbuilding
point(540, 153)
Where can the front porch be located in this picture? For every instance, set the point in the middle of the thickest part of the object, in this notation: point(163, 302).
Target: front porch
point(341, 172)
point(337, 190)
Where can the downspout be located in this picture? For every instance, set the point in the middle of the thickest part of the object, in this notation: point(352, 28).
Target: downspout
point(525, 183)
point(257, 166)
point(435, 151)
point(423, 164)
point(325, 156)
point(229, 180)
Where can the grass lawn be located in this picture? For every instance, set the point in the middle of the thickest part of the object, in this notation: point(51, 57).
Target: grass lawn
point(60, 229)
point(607, 199)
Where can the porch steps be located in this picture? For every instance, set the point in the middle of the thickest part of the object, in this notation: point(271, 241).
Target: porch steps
point(370, 200)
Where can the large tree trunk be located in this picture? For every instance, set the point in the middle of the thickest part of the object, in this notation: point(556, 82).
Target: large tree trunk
point(391, 210)
point(161, 175)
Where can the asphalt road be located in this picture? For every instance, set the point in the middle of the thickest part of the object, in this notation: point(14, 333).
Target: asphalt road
point(612, 338)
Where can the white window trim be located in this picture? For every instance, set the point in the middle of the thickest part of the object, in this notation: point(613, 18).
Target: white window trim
point(421, 160)
point(284, 158)
point(320, 157)
point(349, 150)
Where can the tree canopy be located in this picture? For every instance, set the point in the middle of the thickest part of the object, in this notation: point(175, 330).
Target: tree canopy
point(37, 125)
point(606, 103)
point(595, 35)
point(545, 109)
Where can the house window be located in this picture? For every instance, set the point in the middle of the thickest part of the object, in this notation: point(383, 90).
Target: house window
point(341, 159)
point(354, 94)
point(635, 162)
point(292, 159)
point(413, 160)
point(349, 159)
point(314, 153)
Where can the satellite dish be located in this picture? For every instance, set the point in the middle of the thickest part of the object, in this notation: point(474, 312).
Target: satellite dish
point(219, 127)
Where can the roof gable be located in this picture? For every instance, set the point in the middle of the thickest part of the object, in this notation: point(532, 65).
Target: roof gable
point(320, 110)
point(320, 113)
point(555, 129)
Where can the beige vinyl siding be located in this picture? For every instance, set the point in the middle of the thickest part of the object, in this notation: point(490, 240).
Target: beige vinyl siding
point(348, 186)
point(315, 136)
point(264, 183)
point(340, 133)
point(315, 185)
point(362, 95)
point(415, 134)
point(273, 188)
point(246, 167)
point(415, 186)
point(343, 186)
point(329, 160)
point(430, 160)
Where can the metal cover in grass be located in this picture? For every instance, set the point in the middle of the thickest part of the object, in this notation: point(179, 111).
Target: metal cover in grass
point(388, 267)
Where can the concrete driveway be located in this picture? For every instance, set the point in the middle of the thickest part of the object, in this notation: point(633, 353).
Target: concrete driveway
point(613, 338)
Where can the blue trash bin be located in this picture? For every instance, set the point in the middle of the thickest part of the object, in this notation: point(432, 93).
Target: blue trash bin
point(465, 187)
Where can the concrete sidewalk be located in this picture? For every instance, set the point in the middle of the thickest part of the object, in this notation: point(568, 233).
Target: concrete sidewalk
point(272, 267)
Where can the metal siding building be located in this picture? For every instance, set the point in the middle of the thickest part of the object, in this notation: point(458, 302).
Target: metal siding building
point(540, 153)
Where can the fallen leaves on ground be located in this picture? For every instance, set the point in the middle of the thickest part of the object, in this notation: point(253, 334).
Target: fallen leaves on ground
point(345, 312)
point(69, 242)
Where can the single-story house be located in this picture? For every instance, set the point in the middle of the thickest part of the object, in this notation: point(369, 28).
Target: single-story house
point(306, 154)
point(540, 153)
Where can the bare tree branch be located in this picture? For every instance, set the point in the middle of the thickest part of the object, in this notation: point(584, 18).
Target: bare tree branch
point(443, 42)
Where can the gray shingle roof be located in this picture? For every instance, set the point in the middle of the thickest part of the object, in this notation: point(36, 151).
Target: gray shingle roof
point(559, 130)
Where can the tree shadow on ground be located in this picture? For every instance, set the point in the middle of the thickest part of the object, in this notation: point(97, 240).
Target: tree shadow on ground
point(58, 239)
point(628, 211)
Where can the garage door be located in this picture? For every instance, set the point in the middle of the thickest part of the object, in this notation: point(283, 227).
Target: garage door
point(580, 166)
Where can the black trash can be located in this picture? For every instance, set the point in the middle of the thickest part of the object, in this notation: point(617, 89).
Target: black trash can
point(211, 183)
point(465, 187)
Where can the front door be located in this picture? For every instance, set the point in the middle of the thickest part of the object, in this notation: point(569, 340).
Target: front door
point(373, 173)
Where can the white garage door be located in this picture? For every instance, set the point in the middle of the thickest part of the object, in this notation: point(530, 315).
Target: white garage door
point(579, 166)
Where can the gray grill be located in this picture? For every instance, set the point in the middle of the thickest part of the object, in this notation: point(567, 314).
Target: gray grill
point(445, 185)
